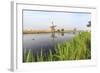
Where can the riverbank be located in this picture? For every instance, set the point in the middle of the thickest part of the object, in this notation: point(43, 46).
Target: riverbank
point(45, 31)
point(79, 48)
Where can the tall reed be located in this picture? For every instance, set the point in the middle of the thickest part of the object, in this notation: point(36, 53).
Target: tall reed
point(78, 48)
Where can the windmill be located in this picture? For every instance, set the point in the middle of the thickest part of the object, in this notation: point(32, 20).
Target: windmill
point(53, 30)
point(53, 27)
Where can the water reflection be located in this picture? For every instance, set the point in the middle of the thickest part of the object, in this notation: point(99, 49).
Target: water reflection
point(46, 41)
point(53, 34)
point(62, 34)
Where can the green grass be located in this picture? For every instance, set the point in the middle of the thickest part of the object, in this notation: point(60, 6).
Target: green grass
point(79, 48)
point(29, 57)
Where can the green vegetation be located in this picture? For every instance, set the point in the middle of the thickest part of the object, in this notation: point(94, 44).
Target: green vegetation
point(46, 31)
point(28, 57)
point(78, 48)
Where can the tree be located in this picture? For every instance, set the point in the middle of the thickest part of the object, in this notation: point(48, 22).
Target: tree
point(58, 30)
point(89, 24)
point(62, 29)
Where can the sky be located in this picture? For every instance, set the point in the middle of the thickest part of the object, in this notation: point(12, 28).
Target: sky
point(43, 20)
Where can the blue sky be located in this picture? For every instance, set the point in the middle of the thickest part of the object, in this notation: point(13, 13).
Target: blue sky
point(43, 20)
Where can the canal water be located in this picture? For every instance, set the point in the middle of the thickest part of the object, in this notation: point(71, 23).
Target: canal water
point(46, 41)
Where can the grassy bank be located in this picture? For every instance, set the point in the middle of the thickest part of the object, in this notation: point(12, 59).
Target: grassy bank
point(45, 31)
point(76, 49)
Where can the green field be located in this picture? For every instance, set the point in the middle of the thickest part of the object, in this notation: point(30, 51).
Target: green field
point(79, 48)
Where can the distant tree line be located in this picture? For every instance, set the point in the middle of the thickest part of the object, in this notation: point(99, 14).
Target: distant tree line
point(60, 30)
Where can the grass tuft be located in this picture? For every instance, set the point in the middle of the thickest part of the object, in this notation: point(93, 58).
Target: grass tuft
point(78, 48)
